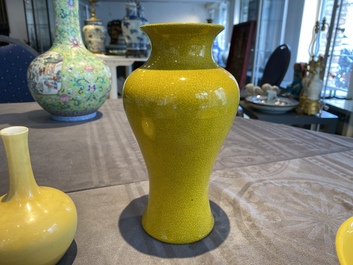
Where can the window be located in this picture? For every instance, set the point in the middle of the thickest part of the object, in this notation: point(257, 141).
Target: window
point(338, 47)
point(271, 21)
point(218, 14)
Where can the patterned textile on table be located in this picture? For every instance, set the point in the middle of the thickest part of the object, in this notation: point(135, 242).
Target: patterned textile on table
point(15, 57)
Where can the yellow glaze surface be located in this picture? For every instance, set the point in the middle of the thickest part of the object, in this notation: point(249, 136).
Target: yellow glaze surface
point(180, 118)
point(37, 223)
point(344, 242)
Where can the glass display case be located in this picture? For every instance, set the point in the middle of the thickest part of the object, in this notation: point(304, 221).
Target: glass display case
point(40, 23)
point(271, 21)
point(337, 45)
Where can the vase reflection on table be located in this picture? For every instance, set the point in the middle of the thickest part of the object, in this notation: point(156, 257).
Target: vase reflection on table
point(180, 105)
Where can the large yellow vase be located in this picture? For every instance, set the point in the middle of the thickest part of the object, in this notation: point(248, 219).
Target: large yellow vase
point(37, 224)
point(180, 106)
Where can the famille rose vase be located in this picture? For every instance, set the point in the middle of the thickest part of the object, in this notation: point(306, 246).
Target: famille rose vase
point(38, 223)
point(69, 81)
point(180, 105)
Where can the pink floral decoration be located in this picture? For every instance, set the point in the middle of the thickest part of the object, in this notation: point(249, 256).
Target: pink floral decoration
point(64, 98)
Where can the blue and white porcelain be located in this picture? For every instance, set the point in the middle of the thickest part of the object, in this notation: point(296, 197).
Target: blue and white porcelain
point(136, 40)
point(94, 32)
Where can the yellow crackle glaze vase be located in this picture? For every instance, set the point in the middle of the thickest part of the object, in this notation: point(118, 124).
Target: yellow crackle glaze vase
point(344, 242)
point(38, 224)
point(180, 106)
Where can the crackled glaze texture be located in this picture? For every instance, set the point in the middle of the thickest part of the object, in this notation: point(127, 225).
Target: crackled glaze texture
point(37, 223)
point(69, 81)
point(180, 105)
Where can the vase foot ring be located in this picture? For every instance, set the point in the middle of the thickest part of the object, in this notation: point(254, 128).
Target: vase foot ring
point(74, 118)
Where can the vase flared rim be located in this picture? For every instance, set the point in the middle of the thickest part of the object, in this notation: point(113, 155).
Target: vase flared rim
point(183, 25)
point(181, 45)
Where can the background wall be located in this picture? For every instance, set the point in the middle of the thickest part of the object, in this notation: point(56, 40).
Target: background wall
point(156, 12)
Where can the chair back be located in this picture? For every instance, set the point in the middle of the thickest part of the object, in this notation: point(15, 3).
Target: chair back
point(276, 66)
point(15, 58)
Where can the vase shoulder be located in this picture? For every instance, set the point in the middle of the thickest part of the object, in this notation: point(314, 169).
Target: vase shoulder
point(26, 217)
point(188, 87)
point(95, 36)
point(69, 82)
point(37, 230)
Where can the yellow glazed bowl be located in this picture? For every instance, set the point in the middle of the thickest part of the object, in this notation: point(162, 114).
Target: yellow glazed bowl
point(344, 242)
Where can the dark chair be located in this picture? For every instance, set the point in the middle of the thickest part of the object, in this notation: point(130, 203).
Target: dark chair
point(15, 57)
point(276, 66)
point(240, 50)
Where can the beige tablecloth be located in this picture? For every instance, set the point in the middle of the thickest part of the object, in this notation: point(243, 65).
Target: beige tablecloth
point(278, 193)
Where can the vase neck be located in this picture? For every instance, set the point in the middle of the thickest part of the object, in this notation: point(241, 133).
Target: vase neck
point(67, 31)
point(178, 46)
point(21, 179)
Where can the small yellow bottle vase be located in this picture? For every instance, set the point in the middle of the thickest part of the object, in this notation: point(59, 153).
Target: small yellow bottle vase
point(180, 106)
point(38, 224)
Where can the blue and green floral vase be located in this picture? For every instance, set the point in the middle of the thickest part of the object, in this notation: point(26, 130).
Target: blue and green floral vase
point(68, 81)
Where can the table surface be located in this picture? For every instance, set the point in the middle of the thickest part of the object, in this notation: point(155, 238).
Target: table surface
point(278, 193)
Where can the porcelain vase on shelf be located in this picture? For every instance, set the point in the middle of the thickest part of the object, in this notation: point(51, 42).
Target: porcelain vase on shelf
point(94, 32)
point(135, 38)
point(180, 105)
point(38, 223)
point(144, 41)
point(117, 44)
point(309, 102)
point(69, 81)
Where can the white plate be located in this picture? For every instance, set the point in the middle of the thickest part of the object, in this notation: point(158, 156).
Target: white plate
point(281, 104)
